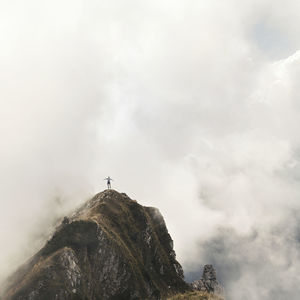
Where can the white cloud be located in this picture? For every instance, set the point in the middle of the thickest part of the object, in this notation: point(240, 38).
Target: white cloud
point(179, 102)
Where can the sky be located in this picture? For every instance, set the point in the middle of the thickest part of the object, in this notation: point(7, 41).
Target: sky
point(190, 106)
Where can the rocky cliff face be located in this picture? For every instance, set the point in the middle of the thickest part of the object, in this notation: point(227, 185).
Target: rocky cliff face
point(110, 248)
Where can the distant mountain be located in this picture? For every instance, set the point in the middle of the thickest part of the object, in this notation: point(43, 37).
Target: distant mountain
point(110, 248)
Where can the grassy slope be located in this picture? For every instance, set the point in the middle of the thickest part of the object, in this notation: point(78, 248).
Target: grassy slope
point(195, 295)
point(122, 220)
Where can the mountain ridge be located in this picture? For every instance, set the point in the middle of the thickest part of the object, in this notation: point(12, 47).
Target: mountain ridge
point(111, 240)
point(110, 248)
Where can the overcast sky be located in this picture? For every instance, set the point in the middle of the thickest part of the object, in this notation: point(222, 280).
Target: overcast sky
point(190, 106)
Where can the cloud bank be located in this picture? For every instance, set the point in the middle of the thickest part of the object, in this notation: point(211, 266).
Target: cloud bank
point(191, 107)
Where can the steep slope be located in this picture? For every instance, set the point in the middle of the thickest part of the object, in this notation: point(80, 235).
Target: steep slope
point(110, 248)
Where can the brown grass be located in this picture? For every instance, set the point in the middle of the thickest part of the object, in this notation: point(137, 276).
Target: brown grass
point(195, 295)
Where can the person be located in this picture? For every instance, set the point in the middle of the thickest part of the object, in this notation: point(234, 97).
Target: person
point(108, 180)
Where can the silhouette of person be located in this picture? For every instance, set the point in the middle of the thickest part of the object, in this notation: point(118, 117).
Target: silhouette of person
point(108, 180)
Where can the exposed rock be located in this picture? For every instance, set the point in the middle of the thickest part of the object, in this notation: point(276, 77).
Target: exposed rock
point(110, 248)
point(208, 282)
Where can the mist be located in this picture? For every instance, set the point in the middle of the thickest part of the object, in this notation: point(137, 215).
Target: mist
point(190, 107)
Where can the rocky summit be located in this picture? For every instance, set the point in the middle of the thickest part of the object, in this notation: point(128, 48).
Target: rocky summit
point(110, 248)
point(208, 282)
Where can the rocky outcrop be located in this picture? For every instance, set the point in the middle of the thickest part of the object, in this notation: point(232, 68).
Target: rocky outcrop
point(208, 282)
point(110, 248)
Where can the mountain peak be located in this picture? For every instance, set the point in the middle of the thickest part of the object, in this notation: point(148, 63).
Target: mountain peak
point(110, 248)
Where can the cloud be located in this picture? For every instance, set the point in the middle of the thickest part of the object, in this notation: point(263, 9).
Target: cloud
point(183, 104)
point(251, 177)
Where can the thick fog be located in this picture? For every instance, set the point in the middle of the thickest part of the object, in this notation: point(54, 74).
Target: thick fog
point(190, 106)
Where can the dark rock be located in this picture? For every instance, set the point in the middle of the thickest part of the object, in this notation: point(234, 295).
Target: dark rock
point(65, 221)
point(208, 282)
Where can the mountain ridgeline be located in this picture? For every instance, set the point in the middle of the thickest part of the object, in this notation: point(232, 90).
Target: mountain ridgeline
point(110, 248)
